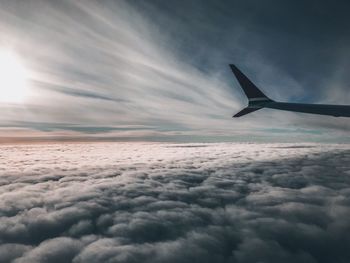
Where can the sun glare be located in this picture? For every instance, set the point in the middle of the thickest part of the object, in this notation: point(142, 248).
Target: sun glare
point(13, 78)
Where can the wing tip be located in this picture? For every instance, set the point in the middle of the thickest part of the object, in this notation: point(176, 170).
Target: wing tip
point(245, 111)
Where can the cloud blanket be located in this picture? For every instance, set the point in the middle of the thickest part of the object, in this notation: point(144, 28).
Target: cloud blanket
point(158, 202)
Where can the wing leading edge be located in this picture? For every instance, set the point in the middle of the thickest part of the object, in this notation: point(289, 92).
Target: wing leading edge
point(258, 100)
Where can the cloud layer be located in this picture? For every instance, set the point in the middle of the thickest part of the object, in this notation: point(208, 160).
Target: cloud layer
point(143, 202)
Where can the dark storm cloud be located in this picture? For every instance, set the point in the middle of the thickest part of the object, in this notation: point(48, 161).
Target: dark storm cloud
point(128, 202)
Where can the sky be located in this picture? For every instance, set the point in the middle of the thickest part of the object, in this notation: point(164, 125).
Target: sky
point(158, 70)
point(169, 202)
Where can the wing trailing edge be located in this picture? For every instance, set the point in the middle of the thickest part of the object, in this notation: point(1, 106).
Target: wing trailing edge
point(245, 111)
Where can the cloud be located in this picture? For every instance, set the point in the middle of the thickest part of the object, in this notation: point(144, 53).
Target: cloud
point(9, 252)
point(157, 202)
point(61, 249)
point(118, 64)
point(108, 66)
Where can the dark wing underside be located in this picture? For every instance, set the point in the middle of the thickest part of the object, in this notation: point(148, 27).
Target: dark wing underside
point(245, 111)
point(322, 109)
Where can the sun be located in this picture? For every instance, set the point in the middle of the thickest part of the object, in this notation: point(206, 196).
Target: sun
point(13, 78)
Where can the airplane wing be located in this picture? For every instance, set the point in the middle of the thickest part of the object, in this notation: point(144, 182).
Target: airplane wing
point(321, 109)
point(258, 100)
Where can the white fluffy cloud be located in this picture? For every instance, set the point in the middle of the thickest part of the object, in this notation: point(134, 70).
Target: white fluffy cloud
point(144, 202)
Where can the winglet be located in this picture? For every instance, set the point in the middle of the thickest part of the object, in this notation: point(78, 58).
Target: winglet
point(250, 90)
point(257, 99)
